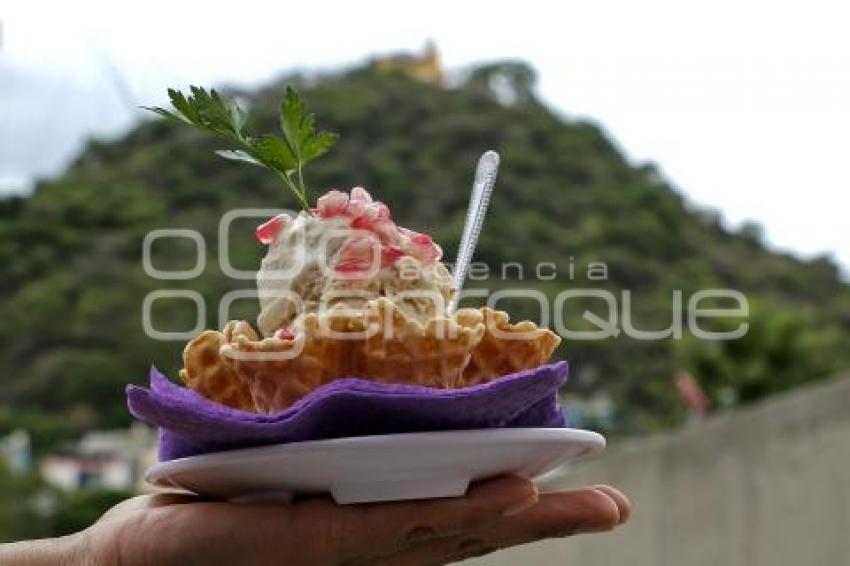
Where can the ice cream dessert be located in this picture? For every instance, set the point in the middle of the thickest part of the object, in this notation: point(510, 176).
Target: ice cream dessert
point(343, 290)
point(347, 249)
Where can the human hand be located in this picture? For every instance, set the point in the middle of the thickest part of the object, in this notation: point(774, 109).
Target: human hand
point(179, 529)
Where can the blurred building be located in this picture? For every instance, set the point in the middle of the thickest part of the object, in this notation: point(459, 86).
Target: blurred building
point(595, 412)
point(114, 459)
point(16, 451)
point(424, 67)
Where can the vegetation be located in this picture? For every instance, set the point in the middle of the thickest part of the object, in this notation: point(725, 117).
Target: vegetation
point(73, 284)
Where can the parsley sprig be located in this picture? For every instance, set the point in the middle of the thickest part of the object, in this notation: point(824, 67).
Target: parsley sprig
point(285, 155)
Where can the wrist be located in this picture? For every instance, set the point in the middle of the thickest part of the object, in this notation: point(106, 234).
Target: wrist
point(62, 551)
point(75, 550)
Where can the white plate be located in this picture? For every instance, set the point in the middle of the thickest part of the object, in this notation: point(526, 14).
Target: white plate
point(377, 468)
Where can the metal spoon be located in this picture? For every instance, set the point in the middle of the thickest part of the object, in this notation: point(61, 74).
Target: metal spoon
point(482, 188)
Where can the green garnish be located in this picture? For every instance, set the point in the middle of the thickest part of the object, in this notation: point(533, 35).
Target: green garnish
point(285, 155)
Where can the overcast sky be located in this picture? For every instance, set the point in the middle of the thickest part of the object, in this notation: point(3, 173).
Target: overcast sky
point(745, 106)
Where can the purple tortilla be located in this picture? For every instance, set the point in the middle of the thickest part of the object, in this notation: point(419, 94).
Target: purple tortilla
point(190, 424)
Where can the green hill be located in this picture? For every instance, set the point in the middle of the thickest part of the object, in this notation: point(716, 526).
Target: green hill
point(73, 283)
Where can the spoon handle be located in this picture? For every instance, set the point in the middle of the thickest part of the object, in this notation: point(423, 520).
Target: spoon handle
point(482, 188)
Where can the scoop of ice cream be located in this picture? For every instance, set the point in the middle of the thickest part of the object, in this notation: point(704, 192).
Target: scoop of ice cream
point(346, 250)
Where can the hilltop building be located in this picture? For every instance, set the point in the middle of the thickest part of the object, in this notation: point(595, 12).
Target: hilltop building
point(424, 67)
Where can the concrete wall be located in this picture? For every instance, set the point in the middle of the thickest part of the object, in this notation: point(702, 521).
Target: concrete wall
point(764, 486)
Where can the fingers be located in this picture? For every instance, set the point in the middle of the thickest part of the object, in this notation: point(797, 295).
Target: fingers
point(485, 503)
point(555, 515)
point(624, 506)
point(384, 528)
point(585, 510)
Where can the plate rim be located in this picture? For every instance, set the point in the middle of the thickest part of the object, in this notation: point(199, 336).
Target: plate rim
point(594, 441)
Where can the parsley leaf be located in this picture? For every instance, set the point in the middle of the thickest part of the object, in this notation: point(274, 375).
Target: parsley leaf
point(286, 156)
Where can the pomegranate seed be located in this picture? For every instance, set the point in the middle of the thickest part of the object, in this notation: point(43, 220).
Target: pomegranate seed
point(390, 254)
point(361, 223)
point(352, 266)
point(284, 334)
point(332, 203)
point(361, 194)
point(268, 231)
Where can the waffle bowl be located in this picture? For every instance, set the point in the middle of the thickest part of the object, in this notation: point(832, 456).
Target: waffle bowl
point(378, 343)
point(433, 354)
point(505, 348)
point(206, 372)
